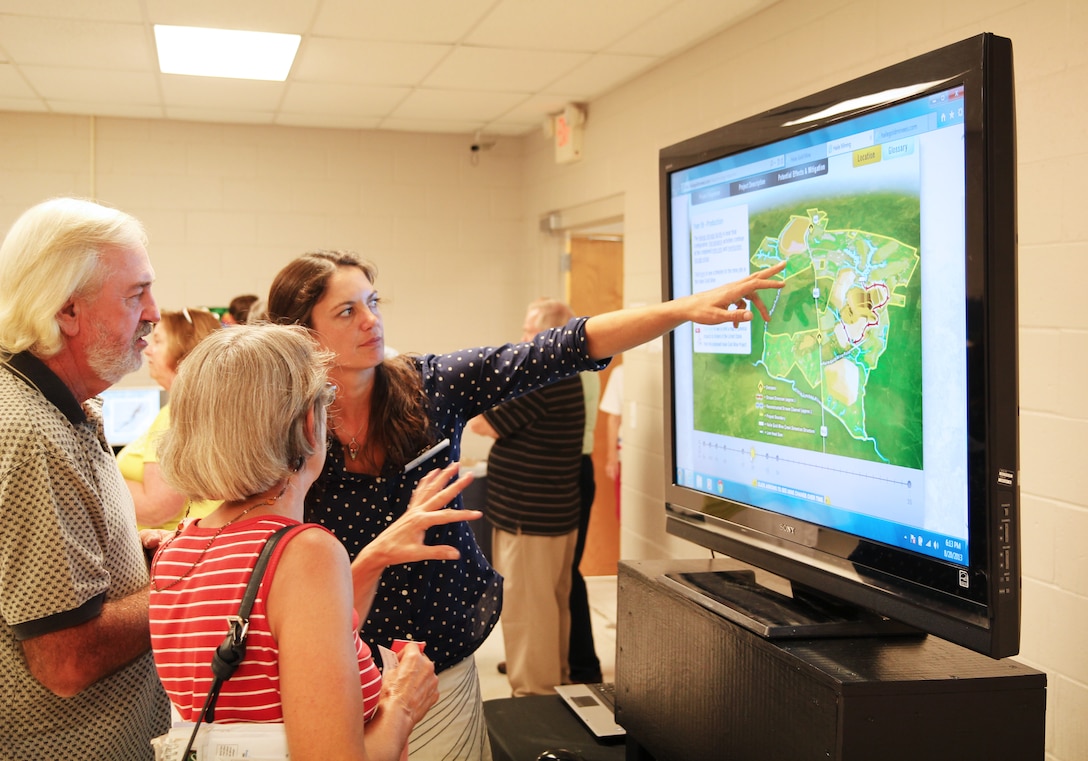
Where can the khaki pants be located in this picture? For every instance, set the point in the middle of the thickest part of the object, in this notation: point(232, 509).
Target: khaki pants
point(536, 608)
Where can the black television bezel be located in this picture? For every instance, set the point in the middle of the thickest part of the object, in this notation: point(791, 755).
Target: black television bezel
point(988, 619)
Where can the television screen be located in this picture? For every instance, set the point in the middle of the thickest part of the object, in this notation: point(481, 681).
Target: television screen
point(863, 442)
point(128, 412)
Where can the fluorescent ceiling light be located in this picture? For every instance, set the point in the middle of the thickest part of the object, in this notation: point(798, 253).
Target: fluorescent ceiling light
point(225, 52)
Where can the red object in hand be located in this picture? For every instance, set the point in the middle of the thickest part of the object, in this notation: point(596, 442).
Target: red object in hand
point(398, 645)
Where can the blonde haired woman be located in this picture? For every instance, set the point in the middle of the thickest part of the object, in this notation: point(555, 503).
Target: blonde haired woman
point(305, 665)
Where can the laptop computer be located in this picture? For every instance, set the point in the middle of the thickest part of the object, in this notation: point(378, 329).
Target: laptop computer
point(595, 706)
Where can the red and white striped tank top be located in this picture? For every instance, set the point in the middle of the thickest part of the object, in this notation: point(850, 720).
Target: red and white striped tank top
point(189, 620)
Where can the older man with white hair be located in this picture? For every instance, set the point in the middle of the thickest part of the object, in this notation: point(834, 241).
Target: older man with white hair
point(77, 679)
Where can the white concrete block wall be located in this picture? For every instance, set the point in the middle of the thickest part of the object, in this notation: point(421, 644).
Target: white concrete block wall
point(796, 47)
point(227, 205)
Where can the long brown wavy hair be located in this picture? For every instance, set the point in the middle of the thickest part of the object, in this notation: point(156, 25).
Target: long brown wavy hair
point(398, 422)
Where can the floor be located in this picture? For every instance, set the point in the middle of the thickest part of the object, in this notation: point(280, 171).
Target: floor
point(602, 608)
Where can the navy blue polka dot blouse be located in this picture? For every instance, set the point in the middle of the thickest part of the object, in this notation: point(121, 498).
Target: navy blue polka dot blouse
point(452, 605)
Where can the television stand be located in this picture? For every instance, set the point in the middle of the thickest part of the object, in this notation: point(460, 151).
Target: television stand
point(806, 614)
point(692, 685)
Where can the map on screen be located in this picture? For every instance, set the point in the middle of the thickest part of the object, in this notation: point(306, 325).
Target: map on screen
point(845, 409)
point(840, 316)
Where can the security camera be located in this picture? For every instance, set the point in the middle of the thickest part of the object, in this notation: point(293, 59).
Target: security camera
point(480, 142)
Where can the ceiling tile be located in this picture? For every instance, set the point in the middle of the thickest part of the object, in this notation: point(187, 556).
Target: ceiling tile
point(342, 100)
point(512, 128)
point(93, 10)
point(522, 71)
point(131, 87)
point(21, 104)
point(64, 42)
point(12, 85)
point(325, 59)
point(685, 24)
point(99, 108)
point(438, 21)
point(445, 126)
point(219, 115)
point(447, 105)
point(600, 74)
point(213, 92)
point(576, 27)
point(419, 65)
point(337, 121)
point(292, 17)
point(534, 110)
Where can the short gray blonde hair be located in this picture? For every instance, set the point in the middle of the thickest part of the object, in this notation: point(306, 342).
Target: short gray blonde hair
point(52, 253)
point(238, 410)
point(550, 313)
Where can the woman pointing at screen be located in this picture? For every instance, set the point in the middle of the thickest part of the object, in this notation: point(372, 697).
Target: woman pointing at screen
point(389, 413)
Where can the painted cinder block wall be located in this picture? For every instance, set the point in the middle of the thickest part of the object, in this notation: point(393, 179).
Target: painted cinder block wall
point(227, 205)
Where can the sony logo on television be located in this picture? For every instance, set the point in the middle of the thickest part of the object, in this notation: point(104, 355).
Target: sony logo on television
point(786, 528)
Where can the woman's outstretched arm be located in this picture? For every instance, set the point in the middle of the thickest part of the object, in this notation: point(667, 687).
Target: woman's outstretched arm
point(612, 333)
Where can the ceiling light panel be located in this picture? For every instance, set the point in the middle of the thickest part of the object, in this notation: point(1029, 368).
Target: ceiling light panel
point(228, 53)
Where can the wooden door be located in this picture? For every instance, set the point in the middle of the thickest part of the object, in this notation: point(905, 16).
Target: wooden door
point(596, 286)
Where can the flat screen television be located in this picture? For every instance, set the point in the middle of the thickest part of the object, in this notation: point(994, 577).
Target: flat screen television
point(127, 412)
point(863, 443)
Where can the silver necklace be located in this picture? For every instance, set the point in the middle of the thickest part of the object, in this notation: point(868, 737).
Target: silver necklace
point(352, 447)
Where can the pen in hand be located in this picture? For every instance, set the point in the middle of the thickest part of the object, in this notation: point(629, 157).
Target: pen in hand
point(427, 454)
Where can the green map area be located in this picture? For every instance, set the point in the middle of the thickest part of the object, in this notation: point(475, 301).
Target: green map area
point(838, 368)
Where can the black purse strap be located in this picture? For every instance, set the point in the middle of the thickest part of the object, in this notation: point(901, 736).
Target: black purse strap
point(232, 650)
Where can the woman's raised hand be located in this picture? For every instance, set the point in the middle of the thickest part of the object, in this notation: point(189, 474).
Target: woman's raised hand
point(403, 540)
point(612, 333)
point(732, 302)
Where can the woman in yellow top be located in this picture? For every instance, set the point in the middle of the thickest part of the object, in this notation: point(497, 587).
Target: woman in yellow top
point(157, 505)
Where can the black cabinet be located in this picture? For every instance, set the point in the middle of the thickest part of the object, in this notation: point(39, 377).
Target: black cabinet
point(692, 685)
point(522, 728)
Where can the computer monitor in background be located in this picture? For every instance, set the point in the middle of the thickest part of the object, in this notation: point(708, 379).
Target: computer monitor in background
point(129, 412)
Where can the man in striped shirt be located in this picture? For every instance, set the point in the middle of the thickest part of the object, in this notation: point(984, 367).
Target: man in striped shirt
point(533, 501)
